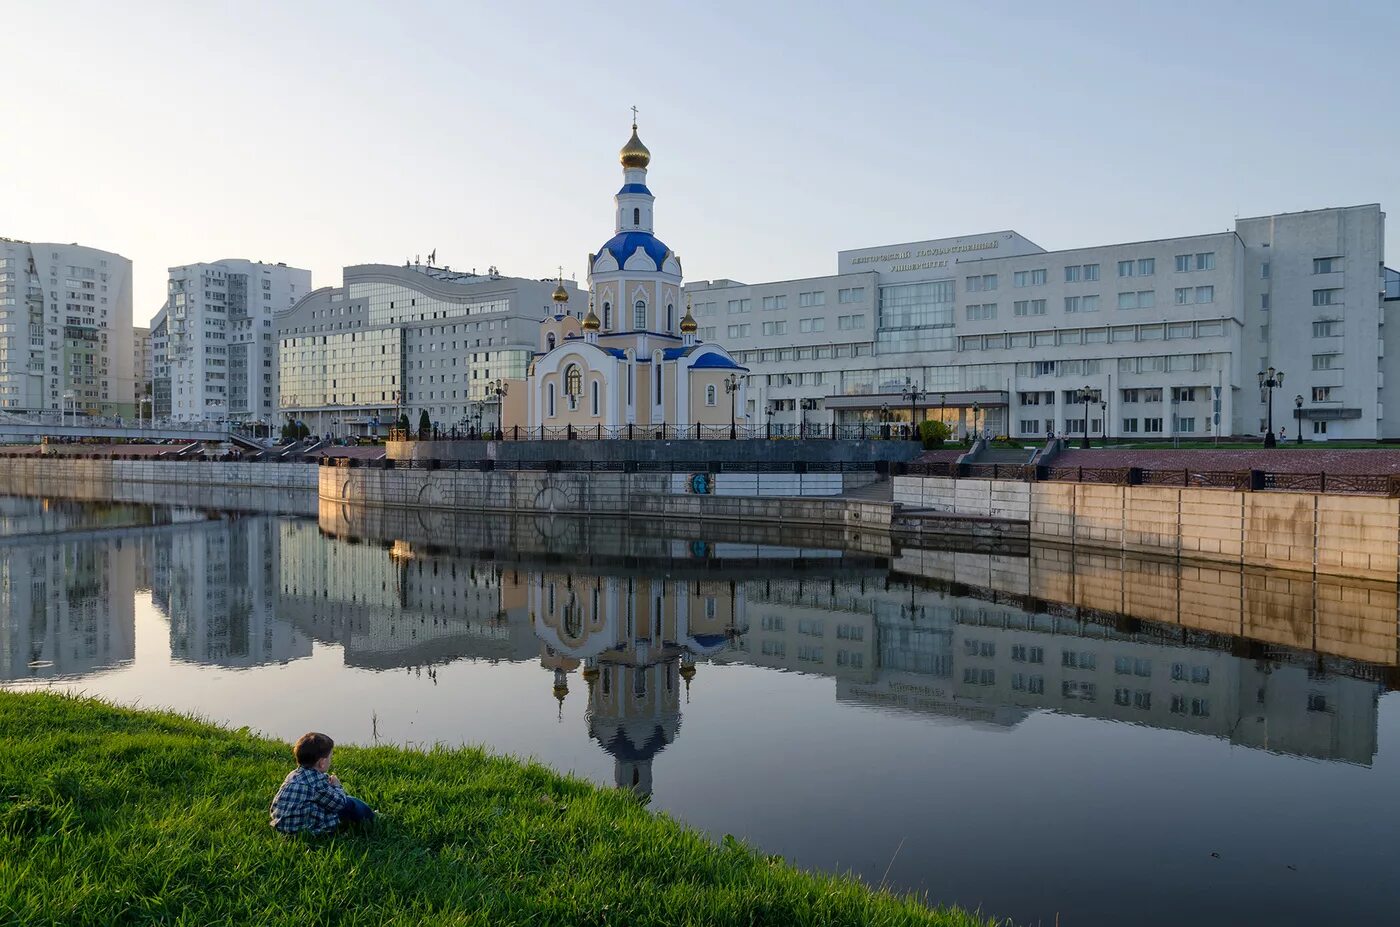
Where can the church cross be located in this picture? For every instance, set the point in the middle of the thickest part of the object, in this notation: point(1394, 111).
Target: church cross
point(634, 118)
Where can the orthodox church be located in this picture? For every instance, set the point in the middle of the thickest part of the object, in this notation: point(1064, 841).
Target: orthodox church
point(632, 359)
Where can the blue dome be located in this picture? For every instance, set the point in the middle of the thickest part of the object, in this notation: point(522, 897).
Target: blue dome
point(625, 244)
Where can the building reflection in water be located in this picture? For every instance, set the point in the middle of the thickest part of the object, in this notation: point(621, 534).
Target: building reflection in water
point(67, 607)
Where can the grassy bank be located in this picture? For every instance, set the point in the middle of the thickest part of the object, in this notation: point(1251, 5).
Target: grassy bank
point(115, 816)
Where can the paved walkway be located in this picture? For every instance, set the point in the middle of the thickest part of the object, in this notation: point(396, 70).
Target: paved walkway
point(1282, 460)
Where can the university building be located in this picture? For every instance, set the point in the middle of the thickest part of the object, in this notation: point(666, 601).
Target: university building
point(394, 341)
point(997, 333)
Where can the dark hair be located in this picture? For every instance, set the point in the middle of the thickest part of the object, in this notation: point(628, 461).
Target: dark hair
point(312, 748)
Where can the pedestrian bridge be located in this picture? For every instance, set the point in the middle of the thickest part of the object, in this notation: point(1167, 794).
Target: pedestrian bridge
point(13, 430)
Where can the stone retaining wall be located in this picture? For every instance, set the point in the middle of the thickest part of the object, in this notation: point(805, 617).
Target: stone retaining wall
point(251, 487)
point(1339, 535)
point(605, 492)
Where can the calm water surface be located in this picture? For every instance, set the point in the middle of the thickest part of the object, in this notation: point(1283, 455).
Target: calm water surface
point(1105, 740)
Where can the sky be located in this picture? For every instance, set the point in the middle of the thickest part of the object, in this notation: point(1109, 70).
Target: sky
point(331, 133)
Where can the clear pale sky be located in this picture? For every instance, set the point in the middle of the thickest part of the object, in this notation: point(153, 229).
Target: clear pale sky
point(332, 133)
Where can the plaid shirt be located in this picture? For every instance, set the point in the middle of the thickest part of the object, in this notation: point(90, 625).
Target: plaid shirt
point(307, 802)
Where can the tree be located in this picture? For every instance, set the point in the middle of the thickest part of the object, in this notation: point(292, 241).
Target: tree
point(934, 434)
point(425, 425)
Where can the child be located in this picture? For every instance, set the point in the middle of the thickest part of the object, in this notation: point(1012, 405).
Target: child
point(310, 799)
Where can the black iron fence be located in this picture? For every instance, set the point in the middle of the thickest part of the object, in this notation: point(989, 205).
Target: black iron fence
point(621, 466)
point(859, 431)
point(1379, 484)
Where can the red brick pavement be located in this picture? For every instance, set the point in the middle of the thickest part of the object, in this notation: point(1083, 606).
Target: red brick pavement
point(1282, 460)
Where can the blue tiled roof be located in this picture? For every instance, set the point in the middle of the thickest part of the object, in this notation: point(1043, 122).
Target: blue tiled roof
point(709, 640)
point(673, 353)
point(622, 246)
point(634, 188)
point(713, 360)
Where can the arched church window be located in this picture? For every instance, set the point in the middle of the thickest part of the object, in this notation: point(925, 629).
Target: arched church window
point(551, 400)
point(636, 217)
point(670, 317)
point(550, 341)
point(607, 316)
point(711, 395)
point(639, 316)
point(594, 389)
point(573, 381)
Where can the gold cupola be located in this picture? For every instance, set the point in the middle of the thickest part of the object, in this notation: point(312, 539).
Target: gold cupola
point(591, 322)
point(634, 153)
point(561, 295)
point(688, 324)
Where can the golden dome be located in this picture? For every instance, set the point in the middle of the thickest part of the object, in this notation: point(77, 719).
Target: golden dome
point(561, 295)
point(591, 322)
point(688, 672)
point(590, 673)
point(634, 153)
point(688, 324)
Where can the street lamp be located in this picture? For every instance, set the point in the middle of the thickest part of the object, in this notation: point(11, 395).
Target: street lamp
point(1298, 414)
point(731, 386)
point(976, 408)
point(913, 394)
point(497, 390)
point(1103, 422)
point(1270, 380)
point(885, 420)
point(1086, 395)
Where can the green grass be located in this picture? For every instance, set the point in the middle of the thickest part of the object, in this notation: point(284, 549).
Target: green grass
point(116, 816)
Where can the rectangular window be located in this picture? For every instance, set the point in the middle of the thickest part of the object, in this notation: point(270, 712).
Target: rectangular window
point(1130, 426)
point(982, 312)
point(1146, 267)
point(1322, 394)
point(1186, 425)
point(1264, 271)
point(1089, 303)
point(1319, 428)
point(775, 328)
point(814, 298)
point(1264, 301)
point(1072, 273)
point(1071, 304)
point(1332, 297)
point(852, 294)
point(1205, 294)
point(1185, 295)
point(1327, 329)
point(771, 303)
point(1327, 265)
point(1126, 268)
point(981, 283)
point(1029, 277)
point(1152, 425)
point(1326, 362)
point(737, 306)
point(1024, 307)
point(852, 322)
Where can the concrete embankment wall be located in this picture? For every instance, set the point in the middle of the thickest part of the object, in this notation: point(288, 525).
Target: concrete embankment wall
point(250, 487)
point(774, 497)
point(1333, 534)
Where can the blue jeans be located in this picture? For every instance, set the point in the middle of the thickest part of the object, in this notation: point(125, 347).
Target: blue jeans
point(355, 811)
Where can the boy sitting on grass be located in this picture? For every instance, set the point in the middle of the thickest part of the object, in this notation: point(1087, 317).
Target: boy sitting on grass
point(311, 800)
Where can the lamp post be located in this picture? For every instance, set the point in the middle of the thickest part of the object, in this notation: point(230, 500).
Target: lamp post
point(913, 394)
point(731, 386)
point(976, 408)
point(1298, 414)
point(1086, 395)
point(497, 390)
point(885, 420)
point(1268, 382)
point(1103, 421)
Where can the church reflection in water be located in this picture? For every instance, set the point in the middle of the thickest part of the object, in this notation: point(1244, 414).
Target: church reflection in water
point(636, 639)
point(622, 614)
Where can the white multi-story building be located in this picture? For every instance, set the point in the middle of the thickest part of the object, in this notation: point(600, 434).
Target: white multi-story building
point(398, 341)
point(214, 341)
point(142, 364)
point(1171, 333)
point(65, 329)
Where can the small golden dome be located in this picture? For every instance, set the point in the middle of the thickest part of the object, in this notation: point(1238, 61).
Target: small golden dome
point(634, 153)
point(560, 691)
point(590, 673)
point(688, 324)
point(591, 322)
point(688, 672)
point(561, 295)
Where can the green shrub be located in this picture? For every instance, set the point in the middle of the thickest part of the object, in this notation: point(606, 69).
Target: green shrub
point(934, 434)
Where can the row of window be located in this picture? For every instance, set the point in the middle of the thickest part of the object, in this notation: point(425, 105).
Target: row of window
point(1158, 331)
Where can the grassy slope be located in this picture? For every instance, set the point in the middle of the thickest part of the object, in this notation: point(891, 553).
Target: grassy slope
point(112, 816)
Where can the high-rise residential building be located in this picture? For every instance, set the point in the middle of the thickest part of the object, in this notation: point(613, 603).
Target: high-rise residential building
point(406, 340)
point(65, 329)
point(214, 341)
point(992, 328)
point(142, 365)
